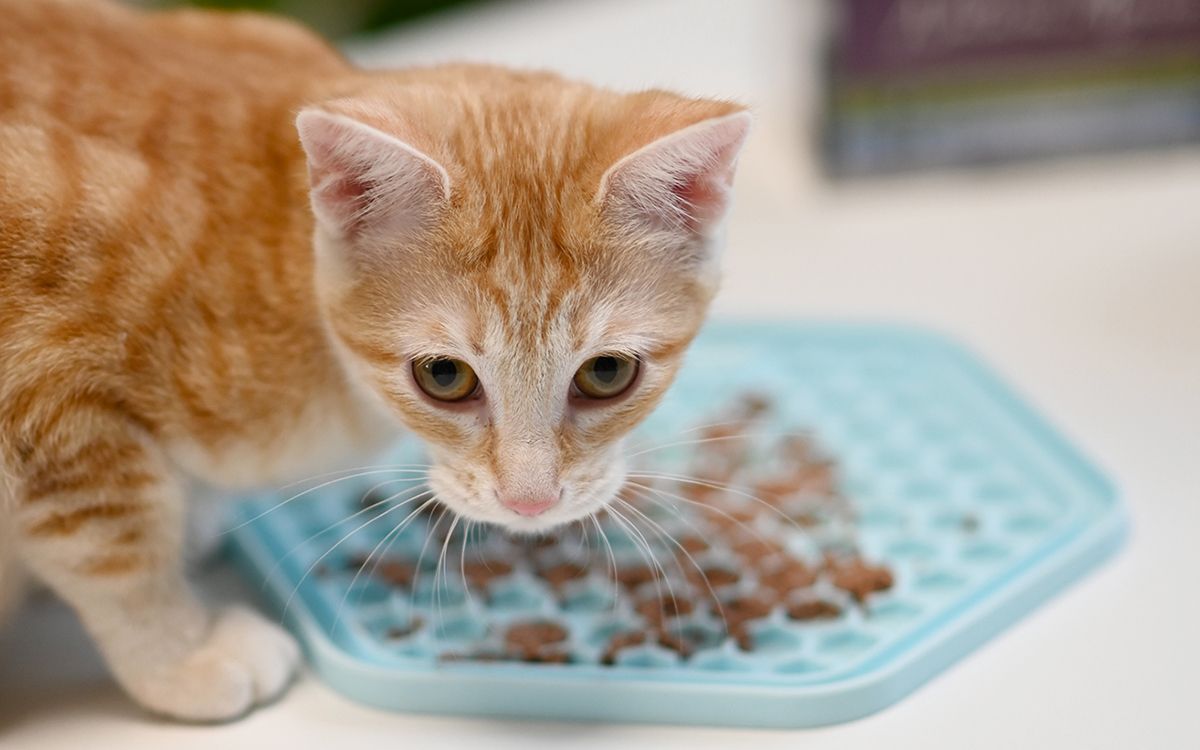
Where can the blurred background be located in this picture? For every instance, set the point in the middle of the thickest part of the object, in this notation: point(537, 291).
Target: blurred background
point(903, 84)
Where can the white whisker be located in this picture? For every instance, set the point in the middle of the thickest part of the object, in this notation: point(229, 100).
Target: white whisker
point(309, 491)
point(333, 526)
point(327, 552)
point(387, 540)
point(684, 478)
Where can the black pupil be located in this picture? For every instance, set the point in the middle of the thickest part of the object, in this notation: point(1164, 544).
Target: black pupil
point(606, 369)
point(444, 372)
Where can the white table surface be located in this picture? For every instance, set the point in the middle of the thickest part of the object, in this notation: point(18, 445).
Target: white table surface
point(1080, 281)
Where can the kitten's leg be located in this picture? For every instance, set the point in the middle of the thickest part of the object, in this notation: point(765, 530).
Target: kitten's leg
point(100, 520)
point(12, 586)
point(12, 578)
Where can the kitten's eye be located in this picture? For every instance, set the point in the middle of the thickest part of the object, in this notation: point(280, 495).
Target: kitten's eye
point(445, 379)
point(606, 376)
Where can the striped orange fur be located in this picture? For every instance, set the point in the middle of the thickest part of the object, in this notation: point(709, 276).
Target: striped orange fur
point(221, 248)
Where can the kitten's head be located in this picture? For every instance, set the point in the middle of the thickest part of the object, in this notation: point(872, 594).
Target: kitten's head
point(515, 264)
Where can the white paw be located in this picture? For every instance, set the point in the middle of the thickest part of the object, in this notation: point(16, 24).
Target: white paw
point(244, 662)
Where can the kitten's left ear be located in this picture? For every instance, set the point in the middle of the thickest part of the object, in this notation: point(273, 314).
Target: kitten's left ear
point(366, 183)
point(681, 181)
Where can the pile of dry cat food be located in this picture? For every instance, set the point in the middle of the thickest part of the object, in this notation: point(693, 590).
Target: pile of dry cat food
point(752, 526)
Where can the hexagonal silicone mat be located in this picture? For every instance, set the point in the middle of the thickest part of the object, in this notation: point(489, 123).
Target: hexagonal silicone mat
point(980, 510)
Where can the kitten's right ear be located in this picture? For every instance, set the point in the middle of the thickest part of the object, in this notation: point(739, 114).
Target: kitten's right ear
point(366, 183)
point(681, 181)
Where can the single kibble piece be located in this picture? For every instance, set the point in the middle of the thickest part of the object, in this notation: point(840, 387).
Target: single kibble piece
point(693, 544)
point(396, 572)
point(635, 575)
point(740, 610)
point(480, 573)
point(676, 642)
point(791, 575)
point(754, 405)
point(713, 576)
point(806, 519)
point(797, 449)
point(858, 578)
point(532, 636)
point(817, 478)
point(563, 573)
point(540, 542)
point(621, 641)
point(729, 517)
point(814, 609)
point(777, 490)
point(700, 493)
point(657, 610)
point(396, 632)
point(756, 550)
point(731, 432)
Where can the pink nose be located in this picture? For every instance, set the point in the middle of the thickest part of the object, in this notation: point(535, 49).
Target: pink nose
point(526, 505)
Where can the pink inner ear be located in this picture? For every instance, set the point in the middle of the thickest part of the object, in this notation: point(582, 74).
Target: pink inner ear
point(701, 199)
point(681, 181)
point(344, 194)
point(366, 182)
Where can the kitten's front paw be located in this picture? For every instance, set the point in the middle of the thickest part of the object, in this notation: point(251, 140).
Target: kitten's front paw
point(245, 661)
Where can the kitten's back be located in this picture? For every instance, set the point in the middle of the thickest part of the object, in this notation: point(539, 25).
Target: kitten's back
point(150, 172)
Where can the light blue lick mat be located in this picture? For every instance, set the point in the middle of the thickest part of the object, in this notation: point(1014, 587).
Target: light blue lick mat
point(979, 510)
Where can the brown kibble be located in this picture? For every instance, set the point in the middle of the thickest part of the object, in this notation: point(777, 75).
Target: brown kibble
point(789, 576)
point(713, 576)
point(532, 636)
point(700, 493)
point(742, 636)
point(740, 610)
point(777, 490)
point(859, 578)
point(818, 478)
point(396, 572)
point(754, 405)
point(814, 609)
point(480, 573)
point(621, 641)
point(676, 643)
point(756, 550)
point(810, 478)
point(657, 610)
point(636, 575)
point(563, 573)
point(693, 544)
point(797, 448)
point(730, 516)
point(724, 432)
point(806, 519)
point(396, 632)
point(670, 640)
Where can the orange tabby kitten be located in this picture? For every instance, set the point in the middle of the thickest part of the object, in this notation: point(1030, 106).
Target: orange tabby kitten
point(228, 257)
